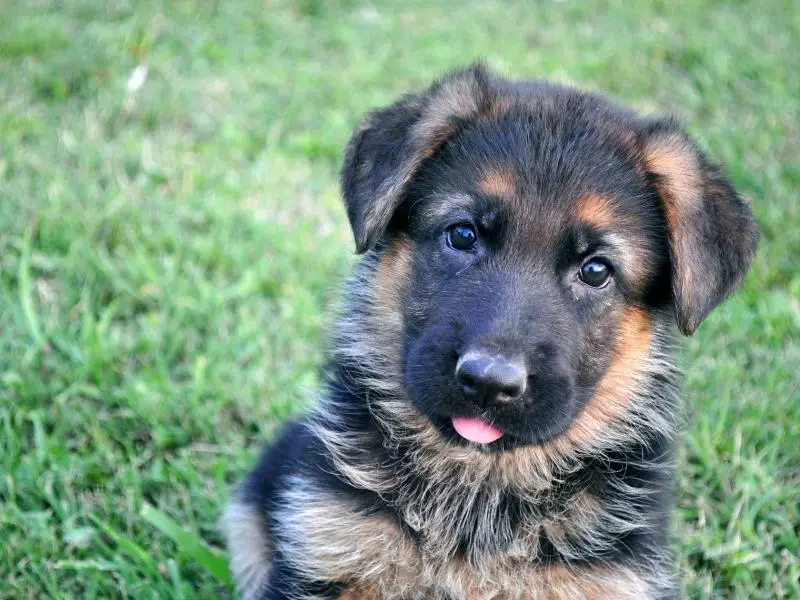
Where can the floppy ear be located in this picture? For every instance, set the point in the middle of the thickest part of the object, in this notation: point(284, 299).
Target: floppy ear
point(713, 234)
point(390, 145)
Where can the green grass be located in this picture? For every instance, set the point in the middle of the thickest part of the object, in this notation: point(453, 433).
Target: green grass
point(168, 256)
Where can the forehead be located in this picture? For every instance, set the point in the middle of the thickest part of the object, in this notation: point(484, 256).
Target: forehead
point(549, 173)
point(552, 134)
point(543, 163)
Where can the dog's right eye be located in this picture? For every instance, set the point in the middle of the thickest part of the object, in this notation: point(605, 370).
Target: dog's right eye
point(462, 237)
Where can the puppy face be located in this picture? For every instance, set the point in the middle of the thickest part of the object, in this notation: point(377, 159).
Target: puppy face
point(528, 259)
point(544, 233)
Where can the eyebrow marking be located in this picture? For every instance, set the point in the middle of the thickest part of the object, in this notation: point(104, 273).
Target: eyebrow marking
point(497, 182)
point(618, 231)
point(595, 210)
point(439, 206)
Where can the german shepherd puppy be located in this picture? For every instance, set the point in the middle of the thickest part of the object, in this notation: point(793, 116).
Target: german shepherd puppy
point(501, 397)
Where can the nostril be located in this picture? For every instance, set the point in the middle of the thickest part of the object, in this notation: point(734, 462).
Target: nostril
point(513, 389)
point(468, 376)
point(467, 379)
point(509, 377)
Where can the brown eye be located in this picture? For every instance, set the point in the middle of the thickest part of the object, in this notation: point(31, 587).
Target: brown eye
point(595, 272)
point(462, 237)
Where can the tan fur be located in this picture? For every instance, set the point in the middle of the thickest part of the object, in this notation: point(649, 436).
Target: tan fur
point(681, 191)
point(632, 250)
point(367, 591)
point(391, 279)
point(336, 542)
point(375, 340)
point(582, 515)
point(497, 183)
point(712, 233)
point(501, 104)
point(460, 99)
point(670, 157)
point(629, 142)
point(596, 210)
point(617, 387)
point(375, 560)
point(595, 583)
point(457, 98)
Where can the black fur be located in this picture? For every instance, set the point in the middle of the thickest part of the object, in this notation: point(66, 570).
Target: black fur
point(377, 493)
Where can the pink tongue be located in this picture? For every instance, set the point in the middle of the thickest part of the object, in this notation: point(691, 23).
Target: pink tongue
point(476, 430)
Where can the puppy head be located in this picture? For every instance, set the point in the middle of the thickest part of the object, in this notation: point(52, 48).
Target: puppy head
point(535, 239)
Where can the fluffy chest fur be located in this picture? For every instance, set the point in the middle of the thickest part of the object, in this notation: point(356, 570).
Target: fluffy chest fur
point(457, 525)
point(480, 542)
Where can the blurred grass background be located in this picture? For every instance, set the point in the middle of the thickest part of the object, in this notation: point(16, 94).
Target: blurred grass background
point(170, 240)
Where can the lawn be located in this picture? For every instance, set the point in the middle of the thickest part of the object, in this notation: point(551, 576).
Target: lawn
point(171, 241)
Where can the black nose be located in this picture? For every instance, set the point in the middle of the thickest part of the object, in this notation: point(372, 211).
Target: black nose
point(491, 379)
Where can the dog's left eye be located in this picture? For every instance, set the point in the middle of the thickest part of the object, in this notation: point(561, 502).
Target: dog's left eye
point(462, 237)
point(595, 272)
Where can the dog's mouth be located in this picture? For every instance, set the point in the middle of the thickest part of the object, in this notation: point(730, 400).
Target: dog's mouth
point(475, 430)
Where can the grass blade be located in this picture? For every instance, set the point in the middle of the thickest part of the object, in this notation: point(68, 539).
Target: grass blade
point(26, 290)
point(130, 547)
point(188, 543)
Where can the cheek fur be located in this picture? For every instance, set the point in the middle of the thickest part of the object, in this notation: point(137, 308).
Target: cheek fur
point(390, 286)
point(617, 389)
point(597, 345)
point(368, 340)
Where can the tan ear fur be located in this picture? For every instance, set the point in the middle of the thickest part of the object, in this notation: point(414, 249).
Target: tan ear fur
point(713, 234)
